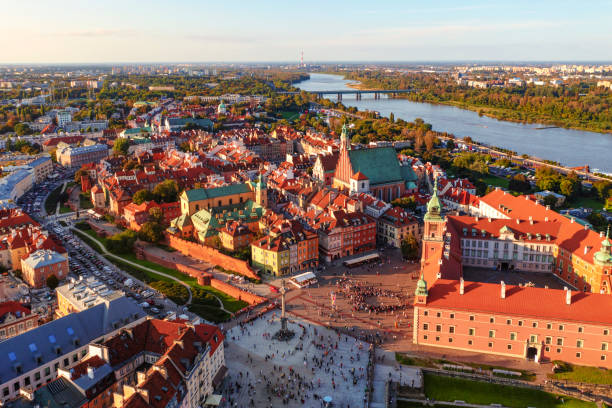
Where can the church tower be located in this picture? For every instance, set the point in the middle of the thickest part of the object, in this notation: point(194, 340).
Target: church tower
point(433, 231)
point(345, 142)
point(603, 265)
point(420, 295)
point(261, 192)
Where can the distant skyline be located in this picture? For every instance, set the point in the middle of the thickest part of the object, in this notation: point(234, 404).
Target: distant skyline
point(68, 31)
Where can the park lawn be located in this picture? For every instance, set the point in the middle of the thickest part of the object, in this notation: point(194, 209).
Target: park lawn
point(65, 209)
point(289, 115)
point(442, 388)
point(496, 181)
point(84, 201)
point(230, 303)
point(586, 202)
point(51, 201)
point(583, 374)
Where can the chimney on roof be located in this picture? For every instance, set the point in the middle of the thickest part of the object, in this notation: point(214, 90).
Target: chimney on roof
point(476, 218)
point(518, 221)
point(503, 289)
point(601, 234)
point(90, 372)
point(547, 207)
point(572, 220)
point(527, 198)
point(530, 220)
point(545, 219)
point(586, 227)
point(461, 286)
point(568, 297)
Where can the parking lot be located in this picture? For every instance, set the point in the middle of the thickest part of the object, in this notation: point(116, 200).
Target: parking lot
point(85, 263)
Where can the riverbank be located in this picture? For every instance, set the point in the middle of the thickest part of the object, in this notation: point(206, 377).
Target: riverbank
point(491, 112)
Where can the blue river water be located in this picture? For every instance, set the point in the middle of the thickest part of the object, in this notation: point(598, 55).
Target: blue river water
point(566, 146)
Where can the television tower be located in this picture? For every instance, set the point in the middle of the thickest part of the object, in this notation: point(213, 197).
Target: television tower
point(302, 58)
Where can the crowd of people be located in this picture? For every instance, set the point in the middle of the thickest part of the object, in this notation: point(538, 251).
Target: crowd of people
point(359, 295)
point(317, 363)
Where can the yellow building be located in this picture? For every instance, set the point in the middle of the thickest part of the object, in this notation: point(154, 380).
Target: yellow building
point(270, 255)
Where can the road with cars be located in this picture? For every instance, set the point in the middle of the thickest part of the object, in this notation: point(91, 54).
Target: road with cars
point(85, 261)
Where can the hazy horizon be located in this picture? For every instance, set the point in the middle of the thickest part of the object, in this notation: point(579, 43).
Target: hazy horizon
point(128, 32)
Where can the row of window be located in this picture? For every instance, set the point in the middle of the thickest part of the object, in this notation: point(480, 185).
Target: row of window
point(509, 346)
point(37, 375)
point(492, 319)
point(513, 336)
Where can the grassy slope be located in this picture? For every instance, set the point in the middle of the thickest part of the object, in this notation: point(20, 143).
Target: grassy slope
point(451, 389)
point(229, 302)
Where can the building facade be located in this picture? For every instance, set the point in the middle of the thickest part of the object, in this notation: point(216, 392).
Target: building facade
point(15, 319)
point(41, 264)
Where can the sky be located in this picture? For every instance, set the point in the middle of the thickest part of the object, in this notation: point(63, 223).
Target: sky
point(111, 31)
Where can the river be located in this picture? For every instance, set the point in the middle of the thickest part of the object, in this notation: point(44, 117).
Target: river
point(568, 147)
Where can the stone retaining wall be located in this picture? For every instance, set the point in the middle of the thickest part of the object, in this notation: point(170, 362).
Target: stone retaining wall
point(212, 256)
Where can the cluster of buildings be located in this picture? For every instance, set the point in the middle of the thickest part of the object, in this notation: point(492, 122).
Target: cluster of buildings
point(20, 174)
point(25, 246)
point(508, 234)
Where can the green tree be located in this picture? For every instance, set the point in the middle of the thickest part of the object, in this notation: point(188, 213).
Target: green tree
point(166, 191)
point(408, 203)
point(78, 174)
point(550, 200)
point(156, 215)
point(519, 183)
point(122, 242)
point(52, 282)
point(143, 195)
point(602, 188)
point(569, 187)
point(22, 129)
point(410, 248)
point(151, 232)
point(121, 146)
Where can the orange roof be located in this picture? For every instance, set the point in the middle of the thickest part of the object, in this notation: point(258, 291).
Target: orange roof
point(359, 176)
point(519, 301)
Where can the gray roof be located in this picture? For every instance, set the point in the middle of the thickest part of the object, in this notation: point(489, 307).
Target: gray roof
point(41, 343)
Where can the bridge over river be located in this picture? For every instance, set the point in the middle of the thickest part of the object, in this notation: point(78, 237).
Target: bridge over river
point(356, 92)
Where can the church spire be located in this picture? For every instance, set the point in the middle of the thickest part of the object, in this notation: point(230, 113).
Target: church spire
point(604, 255)
point(344, 139)
point(434, 206)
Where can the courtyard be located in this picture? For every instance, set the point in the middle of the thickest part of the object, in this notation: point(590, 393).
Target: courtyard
point(316, 363)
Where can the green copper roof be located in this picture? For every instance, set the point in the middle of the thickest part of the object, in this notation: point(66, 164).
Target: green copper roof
point(208, 222)
point(421, 288)
point(434, 206)
point(198, 194)
point(604, 255)
point(408, 174)
point(380, 165)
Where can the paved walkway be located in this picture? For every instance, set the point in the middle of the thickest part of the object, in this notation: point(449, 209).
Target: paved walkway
point(106, 252)
point(59, 204)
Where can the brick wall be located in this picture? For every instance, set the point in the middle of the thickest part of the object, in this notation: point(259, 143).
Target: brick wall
point(100, 231)
point(203, 278)
point(237, 293)
point(212, 256)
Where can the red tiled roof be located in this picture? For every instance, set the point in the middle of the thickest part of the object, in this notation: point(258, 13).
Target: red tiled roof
point(12, 307)
point(521, 301)
point(359, 176)
point(80, 369)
